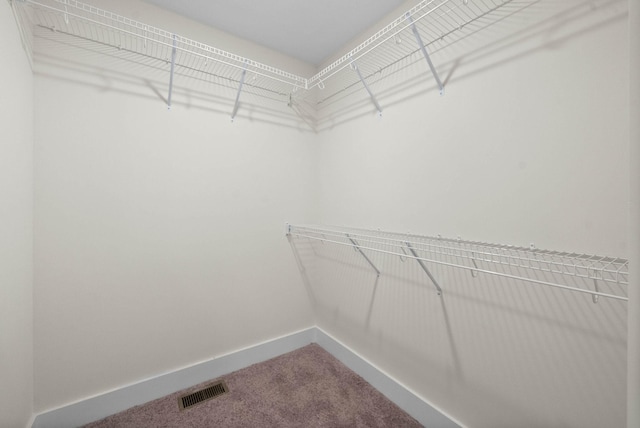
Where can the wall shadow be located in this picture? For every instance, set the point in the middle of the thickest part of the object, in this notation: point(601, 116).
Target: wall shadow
point(487, 343)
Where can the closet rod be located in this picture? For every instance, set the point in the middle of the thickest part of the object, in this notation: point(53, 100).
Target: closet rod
point(570, 265)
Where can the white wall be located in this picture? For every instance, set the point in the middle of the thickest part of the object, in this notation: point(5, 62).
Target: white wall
point(16, 228)
point(529, 145)
point(159, 234)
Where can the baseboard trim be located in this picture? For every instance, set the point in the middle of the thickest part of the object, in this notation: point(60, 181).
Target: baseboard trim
point(403, 397)
point(103, 405)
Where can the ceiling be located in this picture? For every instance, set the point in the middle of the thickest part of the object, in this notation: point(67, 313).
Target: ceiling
point(309, 30)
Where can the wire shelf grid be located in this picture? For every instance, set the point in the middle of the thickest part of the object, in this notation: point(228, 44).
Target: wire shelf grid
point(436, 20)
point(479, 257)
point(440, 24)
point(89, 22)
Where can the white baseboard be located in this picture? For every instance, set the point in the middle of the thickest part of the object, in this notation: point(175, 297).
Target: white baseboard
point(402, 396)
point(103, 405)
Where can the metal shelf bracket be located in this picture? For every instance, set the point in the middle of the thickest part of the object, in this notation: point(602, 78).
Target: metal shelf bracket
point(416, 33)
point(358, 249)
point(237, 103)
point(474, 273)
point(173, 66)
point(430, 21)
point(422, 265)
point(354, 66)
point(595, 297)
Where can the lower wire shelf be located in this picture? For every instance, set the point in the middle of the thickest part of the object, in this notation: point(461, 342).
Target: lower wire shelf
point(606, 277)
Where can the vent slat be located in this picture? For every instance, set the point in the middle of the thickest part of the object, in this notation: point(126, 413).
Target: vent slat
point(202, 395)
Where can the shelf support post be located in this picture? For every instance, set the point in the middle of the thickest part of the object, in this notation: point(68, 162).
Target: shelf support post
point(173, 65)
point(357, 247)
point(416, 33)
point(354, 66)
point(237, 103)
point(422, 265)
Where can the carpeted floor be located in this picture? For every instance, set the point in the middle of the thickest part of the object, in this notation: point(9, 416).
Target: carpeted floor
point(304, 388)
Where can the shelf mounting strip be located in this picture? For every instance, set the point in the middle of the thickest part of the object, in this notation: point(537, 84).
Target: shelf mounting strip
point(529, 264)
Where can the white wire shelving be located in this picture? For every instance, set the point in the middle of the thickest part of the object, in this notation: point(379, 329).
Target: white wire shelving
point(106, 28)
point(430, 24)
point(598, 276)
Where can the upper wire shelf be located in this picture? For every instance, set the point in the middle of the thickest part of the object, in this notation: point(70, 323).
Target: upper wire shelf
point(436, 20)
point(569, 271)
point(91, 23)
point(430, 22)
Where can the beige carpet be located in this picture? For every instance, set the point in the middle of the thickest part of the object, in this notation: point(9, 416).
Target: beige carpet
point(304, 388)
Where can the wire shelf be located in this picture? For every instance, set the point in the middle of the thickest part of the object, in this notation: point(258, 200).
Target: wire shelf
point(569, 271)
point(91, 23)
point(439, 22)
point(432, 26)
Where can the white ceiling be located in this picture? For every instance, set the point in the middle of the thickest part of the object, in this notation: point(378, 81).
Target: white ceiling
point(310, 30)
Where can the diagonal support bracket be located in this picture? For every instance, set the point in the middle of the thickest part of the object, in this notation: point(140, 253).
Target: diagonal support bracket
point(416, 33)
point(302, 114)
point(237, 103)
point(422, 265)
point(354, 66)
point(595, 297)
point(357, 247)
point(173, 66)
point(66, 12)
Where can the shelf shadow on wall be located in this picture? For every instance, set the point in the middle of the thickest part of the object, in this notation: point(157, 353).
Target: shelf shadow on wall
point(308, 255)
point(298, 253)
point(87, 63)
point(491, 336)
point(340, 266)
point(361, 274)
point(345, 264)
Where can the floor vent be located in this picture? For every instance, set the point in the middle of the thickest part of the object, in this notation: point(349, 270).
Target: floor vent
point(202, 395)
